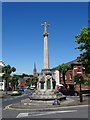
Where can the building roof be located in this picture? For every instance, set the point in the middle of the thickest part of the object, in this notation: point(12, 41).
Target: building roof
point(75, 62)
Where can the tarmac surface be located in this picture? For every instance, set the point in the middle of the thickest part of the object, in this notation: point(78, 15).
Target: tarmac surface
point(32, 105)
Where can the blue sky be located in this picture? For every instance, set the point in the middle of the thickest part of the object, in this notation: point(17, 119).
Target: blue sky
point(22, 42)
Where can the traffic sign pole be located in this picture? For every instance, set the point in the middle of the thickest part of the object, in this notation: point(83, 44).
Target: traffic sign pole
point(79, 73)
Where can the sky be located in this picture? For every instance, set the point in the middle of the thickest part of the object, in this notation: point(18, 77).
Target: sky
point(22, 33)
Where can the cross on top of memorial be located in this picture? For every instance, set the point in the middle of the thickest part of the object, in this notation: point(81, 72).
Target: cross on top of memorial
point(45, 26)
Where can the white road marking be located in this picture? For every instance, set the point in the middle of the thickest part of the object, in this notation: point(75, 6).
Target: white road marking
point(53, 112)
point(21, 115)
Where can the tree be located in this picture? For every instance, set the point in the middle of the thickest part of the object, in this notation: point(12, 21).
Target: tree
point(14, 81)
point(25, 75)
point(28, 82)
point(77, 78)
point(7, 70)
point(63, 68)
point(34, 81)
point(87, 82)
point(83, 39)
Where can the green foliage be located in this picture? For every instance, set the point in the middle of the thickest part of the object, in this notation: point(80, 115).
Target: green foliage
point(78, 78)
point(63, 67)
point(34, 81)
point(83, 39)
point(14, 80)
point(27, 84)
point(7, 70)
point(24, 75)
point(87, 82)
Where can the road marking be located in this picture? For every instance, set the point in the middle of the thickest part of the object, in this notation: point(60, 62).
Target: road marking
point(63, 107)
point(54, 112)
point(21, 115)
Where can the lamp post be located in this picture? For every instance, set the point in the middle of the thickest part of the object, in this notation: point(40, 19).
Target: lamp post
point(79, 73)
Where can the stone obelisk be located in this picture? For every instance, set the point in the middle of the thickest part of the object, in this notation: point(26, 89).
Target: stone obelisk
point(46, 53)
point(45, 78)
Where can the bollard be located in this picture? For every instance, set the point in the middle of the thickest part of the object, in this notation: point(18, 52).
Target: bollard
point(81, 99)
point(56, 102)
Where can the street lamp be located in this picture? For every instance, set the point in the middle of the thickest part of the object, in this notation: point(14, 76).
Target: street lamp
point(79, 73)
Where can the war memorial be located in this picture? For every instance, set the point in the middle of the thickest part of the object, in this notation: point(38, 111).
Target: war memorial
point(45, 88)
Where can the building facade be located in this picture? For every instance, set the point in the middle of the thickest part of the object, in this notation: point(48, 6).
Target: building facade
point(2, 82)
point(1, 65)
point(69, 76)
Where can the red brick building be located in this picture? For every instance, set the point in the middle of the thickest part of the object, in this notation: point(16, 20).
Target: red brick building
point(69, 77)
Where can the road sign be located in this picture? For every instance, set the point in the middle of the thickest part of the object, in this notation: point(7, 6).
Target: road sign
point(79, 72)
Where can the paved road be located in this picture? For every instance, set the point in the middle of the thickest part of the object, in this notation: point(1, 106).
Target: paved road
point(0, 108)
point(14, 99)
point(64, 112)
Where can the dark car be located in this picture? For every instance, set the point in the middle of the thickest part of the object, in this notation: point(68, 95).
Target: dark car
point(63, 91)
point(69, 92)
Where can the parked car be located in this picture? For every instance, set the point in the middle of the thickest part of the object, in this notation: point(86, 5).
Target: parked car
point(16, 93)
point(32, 88)
point(63, 90)
point(70, 92)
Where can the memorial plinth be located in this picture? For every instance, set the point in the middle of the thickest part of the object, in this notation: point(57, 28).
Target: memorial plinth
point(47, 96)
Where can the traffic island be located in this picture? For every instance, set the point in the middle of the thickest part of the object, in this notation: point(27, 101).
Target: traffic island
point(34, 105)
point(31, 105)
